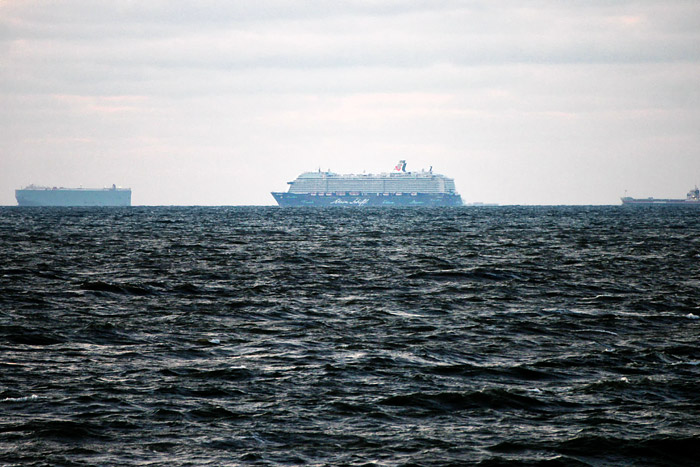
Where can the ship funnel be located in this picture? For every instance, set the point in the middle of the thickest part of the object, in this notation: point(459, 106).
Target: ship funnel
point(401, 166)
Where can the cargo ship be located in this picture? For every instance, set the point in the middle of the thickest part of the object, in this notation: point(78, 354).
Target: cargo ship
point(394, 189)
point(692, 199)
point(47, 196)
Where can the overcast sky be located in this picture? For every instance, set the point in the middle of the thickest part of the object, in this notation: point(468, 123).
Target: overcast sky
point(214, 102)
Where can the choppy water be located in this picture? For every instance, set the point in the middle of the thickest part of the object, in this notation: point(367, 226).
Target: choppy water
point(226, 336)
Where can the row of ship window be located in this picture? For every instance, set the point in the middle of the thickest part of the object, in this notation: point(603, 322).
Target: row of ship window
point(355, 193)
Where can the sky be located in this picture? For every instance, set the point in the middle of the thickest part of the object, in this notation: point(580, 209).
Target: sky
point(214, 102)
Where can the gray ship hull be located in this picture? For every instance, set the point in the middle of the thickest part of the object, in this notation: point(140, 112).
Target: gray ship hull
point(73, 197)
point(659, 202)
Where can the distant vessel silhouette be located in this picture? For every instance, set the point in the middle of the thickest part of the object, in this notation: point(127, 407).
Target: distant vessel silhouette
point(692, 199)
point(55, 196)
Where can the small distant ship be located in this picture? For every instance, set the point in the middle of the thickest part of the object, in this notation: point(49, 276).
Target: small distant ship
point(395, 189)
point(692, 199)
point(480, 204)
point(55, 196)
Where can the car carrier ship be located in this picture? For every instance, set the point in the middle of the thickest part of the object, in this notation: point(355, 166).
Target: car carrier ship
point(55, 196)
point(395, 189)
point(692, 199)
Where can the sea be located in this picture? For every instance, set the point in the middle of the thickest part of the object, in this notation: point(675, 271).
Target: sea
point(213, 336)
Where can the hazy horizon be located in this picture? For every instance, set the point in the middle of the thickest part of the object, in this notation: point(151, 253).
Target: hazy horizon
point(212, 103)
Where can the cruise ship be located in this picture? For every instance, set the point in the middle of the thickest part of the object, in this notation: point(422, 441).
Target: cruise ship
point(691, 199)
point(394, 189)
point(55, 196)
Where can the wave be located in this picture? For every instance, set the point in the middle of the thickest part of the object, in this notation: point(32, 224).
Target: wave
point(447, 402)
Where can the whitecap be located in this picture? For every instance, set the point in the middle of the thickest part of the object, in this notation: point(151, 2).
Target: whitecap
point(689, 362)
point(600, 331)
point(692, 316)
point(209, 341)
point(20, 399)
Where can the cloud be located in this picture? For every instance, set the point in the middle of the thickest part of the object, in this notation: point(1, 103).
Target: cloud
point(500, 94)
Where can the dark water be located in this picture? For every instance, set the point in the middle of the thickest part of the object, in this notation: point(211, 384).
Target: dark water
point(226, 336)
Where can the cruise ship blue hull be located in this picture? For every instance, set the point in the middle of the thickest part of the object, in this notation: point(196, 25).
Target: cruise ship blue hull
point(367, 200)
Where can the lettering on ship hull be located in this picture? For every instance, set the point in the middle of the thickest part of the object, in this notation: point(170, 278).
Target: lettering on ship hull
point(356, 201)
